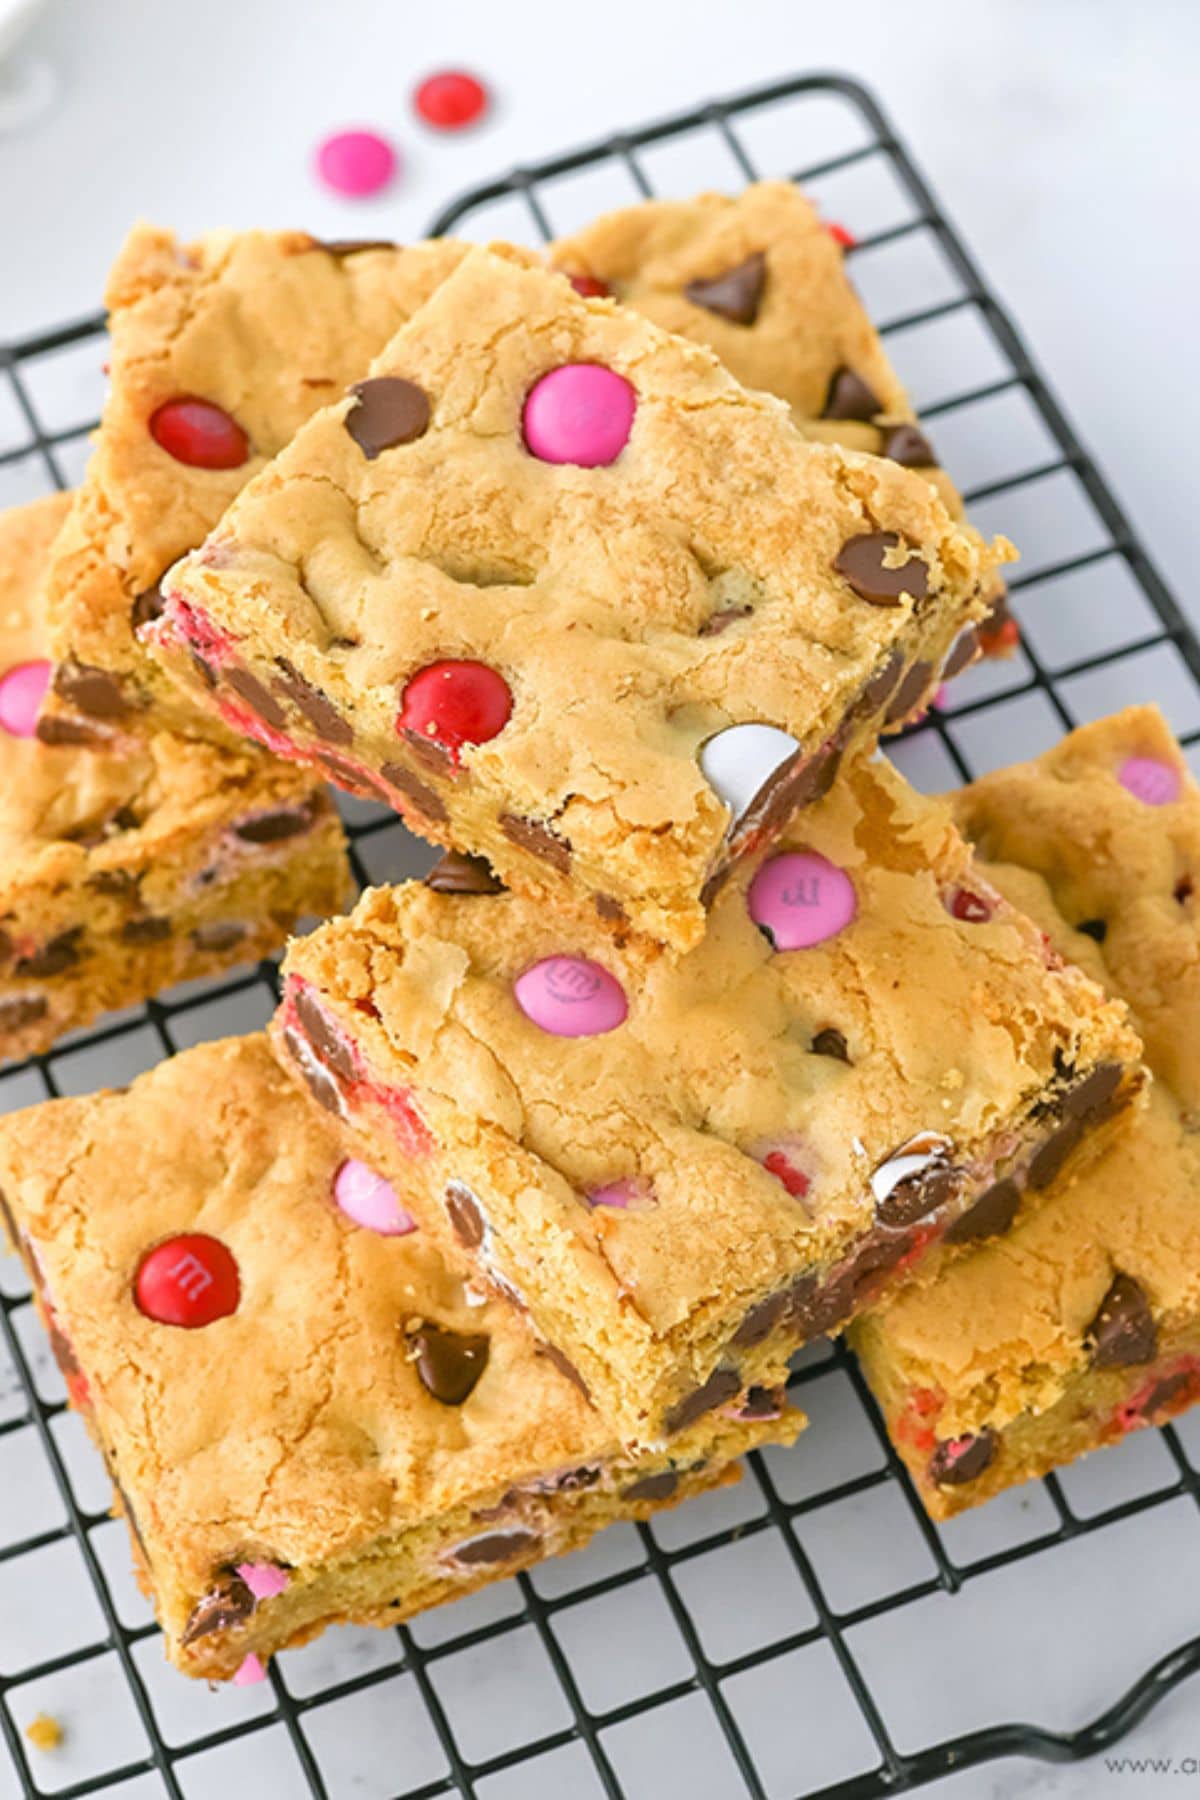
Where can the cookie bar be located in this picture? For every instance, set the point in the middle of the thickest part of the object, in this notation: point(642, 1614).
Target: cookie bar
point(306, 1414)
point(685, 1167)
point(761, 280)
point(122, 875)
point(1082, 1323)
point(220, 351)
point(561, 592)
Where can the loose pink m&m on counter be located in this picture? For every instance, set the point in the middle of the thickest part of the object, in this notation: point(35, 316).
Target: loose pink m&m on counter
point(364, 1196)
point(199, 433)
point(22, 690)
point(451, 99)
point(800, 899)
point(1153, 782)
point(190, 1280)
point(581, 413)
point(356, 163)
point(456, 703)
point(571, 996)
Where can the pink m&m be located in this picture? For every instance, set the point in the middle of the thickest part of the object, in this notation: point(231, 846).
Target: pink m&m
point(356, 163)
point(571, 996)
point(265, 1580)
point(21, 693)
point(800, 899)
point(250, 1670)
point(1154, 783)
point(581, 413)
point(630, 1194)
point(370, 1201)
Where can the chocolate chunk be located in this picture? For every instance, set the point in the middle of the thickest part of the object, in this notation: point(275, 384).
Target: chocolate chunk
point(797, 783)
point(1094, 928)
point(736, 294)
point(147, 607)
point(90, 690)
point(915, 683)
point(315, 1076)
point(1183, 889)
point(228, 1605)
point(422, 797)
point(449, 1363)
point(919, 1194)
point(275, 827)
point(257, 696)
point(1123, 1332)
point(540, 840)
point(653, 1487)
point(565, 1366)
point(762, 1403)
point(958, 1460)
point(389, 412)
point(147, 930)
point(1081, 1107)
point(218, 934)
point(610, 910)
point(962, 652)
point(436, 757)
point(849, 397)
point(497, 1546)
point(340, 247)
point(51, 730)
point(324, 1036)
point(19, 1010)
point(721, 1385)
point(316, 706)
point(459, 874)
point(720, 621)
point(880, 687)
point(820, 1306)
point(466, 1220)
point(830, 1043)
point(764, 1317)
point(861, 564)
point(55, 958)
point(1049, 1158)
point(992, 1213)
point(1089, 1099)
point(906, 445)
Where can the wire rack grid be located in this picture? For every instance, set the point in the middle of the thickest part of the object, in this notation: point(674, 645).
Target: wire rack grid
point(809, 1633)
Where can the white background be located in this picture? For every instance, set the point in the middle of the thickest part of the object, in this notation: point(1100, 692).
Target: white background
point(1062, 136)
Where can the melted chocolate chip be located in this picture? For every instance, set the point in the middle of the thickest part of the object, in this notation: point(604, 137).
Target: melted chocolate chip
point(1047, 1161)
point(992, 1213)
point(830, 1043)
point(449, 1363)
point(915, 683)
point(206, 672)
point(324, 1036)
point(1123, 1332)
point(919, 1195)
point(340, 247)
point(228, 1605)
point(1094, 928)
point(1089, 1099)
point(721, 1385)
point(1166, 1392)
point(90, 690)
point(147, 607)
point(819, 1307)
point(720, 621)
point(906, 445)
point(797, 783)
point(466, 1220)
point(414, 789)
point(763, 1403)
point(1081, 1108)
point(257, 697)
point(763, 1318)
point(316, 706)
point(19, 1010)
point(962, 652)
point(862, 563)
point(653, 1487)
point(436, 757)
point(736, 294)
point(51, 730)
point(389, 412)
point(849, 397)
point(355, 781)
point(610, 910)
point(55, 958)
point(497, 1546)
point(565, 1366)
point(147, 930)
point(316, 1078)
point(275, 827)
point(218, 934)
point(880, 687)
point(958, 1460)
point(539, 839)
point(455, 873)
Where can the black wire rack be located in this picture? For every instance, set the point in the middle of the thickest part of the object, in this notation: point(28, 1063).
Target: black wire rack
point(775, 1641)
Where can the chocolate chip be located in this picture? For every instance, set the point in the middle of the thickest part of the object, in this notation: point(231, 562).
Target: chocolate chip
point(324, 1036)
point(821, 1306)
point(906, 445)
point(422, 797)
point(1089, 1098)
point(653, 1487)
point(861, 564)
point(228, 1605)
point(1183, 889)
point(880, 687)
point(316, 1078)
point(436, 757)
point(799, 782)
point(720, 621)
point(316, 706)
point(51, 730)
point(55, 958)
point(992, 1213)
point(849, 397)
point(147, 607)
point(721, 1385)
point(830, 1043)
point(389, 412)
point(148, 930)
point(455, 873)
point(919, 1194)
point(340, 247)
point(275, 827)
point(258, 697)
point(958, 1460)
point(356, 781)
point(466, 1220)
point(762, 1403)
point(117, 883)
point(1051, 1155)
point(218, 934)
point(90, 690)
point(449, 1363)
point(206, 672)
point(610, 910)
point(962, 652)
point(19, 1010)
point(565, 1366)
point(497, 1546)
point(736, 294)
point(540, 840)
point(1123, 1332)
point(915, 683)
point(1094, 928)
point(763, 1318)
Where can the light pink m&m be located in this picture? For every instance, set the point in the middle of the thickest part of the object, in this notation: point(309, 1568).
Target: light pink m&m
point(265, 1580)
point(250, 1670)
point(370, 1201)
point(630, 1194)
point(581, 413)
point(571, 996)
point(21, 692)
point(356, 163)
point(1153, 782)
point(800, 899)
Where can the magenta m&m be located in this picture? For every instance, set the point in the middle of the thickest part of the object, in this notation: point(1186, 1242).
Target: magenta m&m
point(356, 163)
point(800, 898)
point(581, 413)
point(22, 690)
point(571, 996)
point(1149, 780)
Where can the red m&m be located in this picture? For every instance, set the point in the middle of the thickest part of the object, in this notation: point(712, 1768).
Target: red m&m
point(190, 1280)
point(199, 433)
point(450, 99)
point(455, 704)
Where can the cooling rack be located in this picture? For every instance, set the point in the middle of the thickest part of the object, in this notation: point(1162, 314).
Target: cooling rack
point(809, 1633)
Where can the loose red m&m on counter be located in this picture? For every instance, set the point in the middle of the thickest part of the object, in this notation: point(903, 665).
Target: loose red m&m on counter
point(451, 99)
